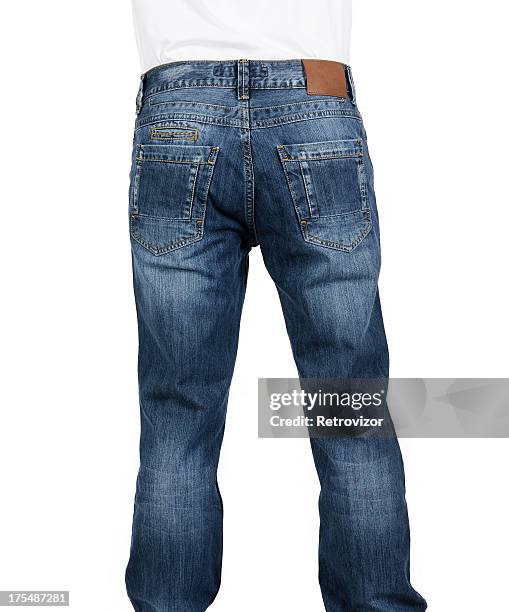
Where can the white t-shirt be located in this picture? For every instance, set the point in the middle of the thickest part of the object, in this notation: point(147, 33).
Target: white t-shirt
point(180, 30)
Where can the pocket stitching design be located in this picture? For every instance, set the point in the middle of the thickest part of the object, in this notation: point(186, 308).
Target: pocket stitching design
point(355, 150)
point(145, 152)
point(307, 185)
point(136, 181)
point(303, 222)
point(135, 215)
point(167, 249)
point(343, 247)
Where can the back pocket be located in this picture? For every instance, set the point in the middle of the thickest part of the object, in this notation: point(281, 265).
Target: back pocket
point(169, 191)
point(328, 185)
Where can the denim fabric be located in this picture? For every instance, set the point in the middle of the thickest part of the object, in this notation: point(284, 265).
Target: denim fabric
point(228, 156)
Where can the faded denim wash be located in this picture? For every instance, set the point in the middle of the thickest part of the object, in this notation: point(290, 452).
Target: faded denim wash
point(229, 156)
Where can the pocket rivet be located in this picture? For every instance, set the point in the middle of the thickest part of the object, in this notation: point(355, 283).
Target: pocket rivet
point(303, 222)
point(199, 222)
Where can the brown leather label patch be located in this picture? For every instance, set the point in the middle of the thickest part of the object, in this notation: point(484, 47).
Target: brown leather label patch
point(325, 78)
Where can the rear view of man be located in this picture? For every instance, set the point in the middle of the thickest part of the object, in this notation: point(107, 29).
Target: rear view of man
point(248, 134)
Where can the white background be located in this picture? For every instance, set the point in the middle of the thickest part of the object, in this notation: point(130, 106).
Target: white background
point(432, 86)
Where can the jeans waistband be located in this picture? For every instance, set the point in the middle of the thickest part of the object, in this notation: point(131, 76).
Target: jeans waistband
point(242, 75)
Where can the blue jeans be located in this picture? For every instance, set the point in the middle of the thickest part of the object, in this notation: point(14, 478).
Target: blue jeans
point(228, 156)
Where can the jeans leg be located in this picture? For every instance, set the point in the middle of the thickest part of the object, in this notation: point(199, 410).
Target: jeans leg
point(364, 534)
point(323, 253)
point(189, 305)
point(364, 549)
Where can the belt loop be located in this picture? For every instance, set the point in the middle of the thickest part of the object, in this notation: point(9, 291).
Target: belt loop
point(243, 79)
point(349, 76)
point(139, 97)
